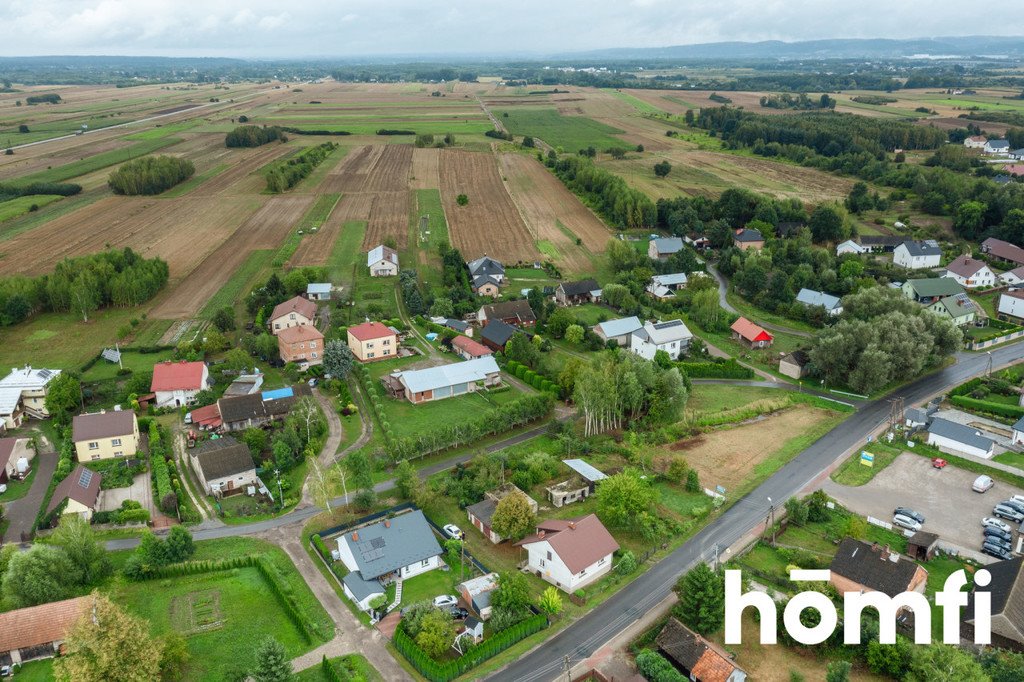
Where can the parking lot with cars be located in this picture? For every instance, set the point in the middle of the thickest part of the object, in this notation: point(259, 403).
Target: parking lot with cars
point(952, 510)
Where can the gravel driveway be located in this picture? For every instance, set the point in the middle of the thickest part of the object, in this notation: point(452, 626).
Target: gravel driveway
point(140, 491)
point(952, 510)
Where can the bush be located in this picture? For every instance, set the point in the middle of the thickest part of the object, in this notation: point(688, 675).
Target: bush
point(253, 136)
point(150, 175)
point(730, 369)
point(286, 174)
point(656, 668)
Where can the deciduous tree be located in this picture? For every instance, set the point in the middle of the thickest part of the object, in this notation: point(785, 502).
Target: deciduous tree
point(109, 645)
point(513, 518)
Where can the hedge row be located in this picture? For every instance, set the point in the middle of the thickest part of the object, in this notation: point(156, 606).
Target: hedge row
point(449, 670)
point(330, 672)
point(535, 379)
point(656, 668)
point(730, 369)
point(999, 409)
point(158, 460)
point(318, 542)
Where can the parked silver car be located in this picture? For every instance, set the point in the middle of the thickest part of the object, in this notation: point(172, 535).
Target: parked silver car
point(907, 522)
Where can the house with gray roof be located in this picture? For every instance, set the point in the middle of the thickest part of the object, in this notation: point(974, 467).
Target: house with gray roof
point(832, 305)
point(224, 466)
point(382, 261)
point(319, 291)
point(392, 548)
point(959, 439)
point(1006, 597)
point(672, 336)
point(360, 590)
point(446, 381)
point(915, 255)
point(486, 267)
point(480, 514)
point(618, 330)
point(663, 247)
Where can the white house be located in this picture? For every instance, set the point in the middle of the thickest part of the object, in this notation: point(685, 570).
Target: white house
point(297, 311)
point(975, 142)
point(176, 383)
point(916, 255)
point(23, 392)
point(673, 337)
point(970, 272)
point(832, 305)
point(392, 548)
point(618, 330)
point(957, 438)
point(1011, 303)
point(382, 261)
point(997, 147)
point(570, 554)
point(1012, 277)
point(850, 246)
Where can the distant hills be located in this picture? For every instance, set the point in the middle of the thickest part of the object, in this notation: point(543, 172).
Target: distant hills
point(839, 48)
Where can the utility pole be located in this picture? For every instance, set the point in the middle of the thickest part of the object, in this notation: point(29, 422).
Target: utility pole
point(989, 372)
point(771, 518)
point(567, 667)
point(280, 495)
point(896, 406)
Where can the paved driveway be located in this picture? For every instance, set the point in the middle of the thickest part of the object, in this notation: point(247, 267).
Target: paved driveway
point(952, 510)
point(140, 491)
point(22, 513)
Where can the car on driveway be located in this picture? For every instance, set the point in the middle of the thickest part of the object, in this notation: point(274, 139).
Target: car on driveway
point(907, 511)
point(1008, 513)
point(453, 531)
point(458, 613)
point(907, 522)
point(993, 532)
point(445, 600)
point(982, 484)
point(996, 551)
point(991, 522)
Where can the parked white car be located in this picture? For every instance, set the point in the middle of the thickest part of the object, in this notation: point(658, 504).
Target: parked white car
point(906, 522)
point(453, 531)
point(982, 484)
point(445, 600)
point(992, 522)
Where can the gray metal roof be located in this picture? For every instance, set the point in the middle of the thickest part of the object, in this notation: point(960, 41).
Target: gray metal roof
point(360, 587)
point(916, 415)
point(379, 253)
point(318, 288)
point(457, 325)
point(620, 327)
point(959, 433)
point(928, 247)
point(818, 298)
point(1019, 426)
point(483, 510)
point(670, 279)
point(485, 266)
point(666, 332)
point(585, 470)
point(668, 244)
point(380, 549)
point(449, 375)
point(999, 144)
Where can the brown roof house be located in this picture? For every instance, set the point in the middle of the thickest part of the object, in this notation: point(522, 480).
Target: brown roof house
point(696, 657)
point(1006, 592)
point(38, 631)
point(16, 454)
point(301, 345)
point(224, 466)
point(480, 513)
point(1004, 251)
point(795, 364)
point(105, 435)
point(570, 553)
point(865, 567)
point(518, 313)
point(574, 293)
point(295, 312)
point(80, 491)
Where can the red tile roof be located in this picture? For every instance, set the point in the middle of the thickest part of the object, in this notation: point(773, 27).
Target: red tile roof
point(178, 376)
point(750, 331)
point(302, 306)
point(39, 625)
point(477, 350)
point(965, 266)
point(208, 416)
point(299, 334)
point(367, 331)
point(578, 542)
point(1014, 169)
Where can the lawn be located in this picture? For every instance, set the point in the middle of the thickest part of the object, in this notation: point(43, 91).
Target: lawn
point(97, 162)
point(18, 489)
point(1014, 459)
point(571, 133)
point(407, 419)
point(22, 205)
point(347, 251)
point(355, 666)
point(853, 473)
point(225, 611)
point(426, 586)
point(69, 341)
point(590, 314)
point(35, 671)
point(714, 398)
point(752, 312)
point(136, 362)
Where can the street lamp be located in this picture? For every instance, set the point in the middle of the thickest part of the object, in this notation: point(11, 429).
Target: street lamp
point(280, 495)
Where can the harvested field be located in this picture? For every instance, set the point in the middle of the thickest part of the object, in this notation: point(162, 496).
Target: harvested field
point(490, 223)
point(25, 163)
point(265, 229)
point(425, 164)
point(181, 231)
point(729, 456)
point(239, 178)
point(552, 212)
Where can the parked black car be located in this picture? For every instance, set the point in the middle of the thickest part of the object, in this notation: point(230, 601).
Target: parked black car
point(991, 531)
point(907, 511)
point(1014, 504)
point(1005, 544)
point(996, 551)
point(458, 613)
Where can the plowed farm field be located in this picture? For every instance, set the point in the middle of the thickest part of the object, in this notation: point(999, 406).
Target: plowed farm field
point(181, 231)
point(553, 213)
point(490, 223)
point(425, 165)
point(266, 229)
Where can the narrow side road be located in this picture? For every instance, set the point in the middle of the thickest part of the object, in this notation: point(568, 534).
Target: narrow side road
point(22, 513)
point(723, 290)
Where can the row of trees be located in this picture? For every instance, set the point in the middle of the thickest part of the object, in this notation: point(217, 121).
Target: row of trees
point(82, 285)
point(606, 192)
point(64, 189)
point(150, 175)
point(284, 175)
point(254, 136)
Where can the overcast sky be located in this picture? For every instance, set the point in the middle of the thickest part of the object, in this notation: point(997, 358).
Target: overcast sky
point(317, 28)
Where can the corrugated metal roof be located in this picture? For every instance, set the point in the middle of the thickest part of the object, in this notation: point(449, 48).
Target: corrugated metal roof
point(818, 298)
point(449, 375)
point(585, 470)
point(620, 327)
point(278, 393)
point(960, 433)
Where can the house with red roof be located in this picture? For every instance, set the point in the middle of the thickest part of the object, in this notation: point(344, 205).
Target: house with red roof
point(468, 349)
point(176, 383)
point(295, 312)
point(746, 332)
point(39, 631)
point(570, 553)
point(696, 657)
point(302, 345)
point(372, 341)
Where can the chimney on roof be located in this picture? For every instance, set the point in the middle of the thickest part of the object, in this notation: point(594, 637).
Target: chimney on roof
point(387, 523)
point(540, 535)
point(885, 553)
point(355, 536)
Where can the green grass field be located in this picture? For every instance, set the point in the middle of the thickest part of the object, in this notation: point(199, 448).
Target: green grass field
point(853, 473)
point(35, 671)
point(193, 182)
point(235, 287)
point(22, 205)
point(137, 362)
point(62, 340)
point(355, 666)
point(97, 162)
point(409, 420)
point(571, 133)
point(713, 398)
point(428, 203)
point(313, 219)
point(347, 251)
point(31, 220)
point(635, 102)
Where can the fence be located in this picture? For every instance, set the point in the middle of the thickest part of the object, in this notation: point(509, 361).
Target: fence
point(980, 345)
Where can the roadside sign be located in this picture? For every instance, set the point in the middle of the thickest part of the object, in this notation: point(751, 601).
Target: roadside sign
point(867, 459)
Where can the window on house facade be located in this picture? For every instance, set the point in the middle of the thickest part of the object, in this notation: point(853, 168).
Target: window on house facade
point(118, 454)
point(291, 316)
point(95, 457)
point(425, 562)
point(549, 556)
point(313, 355)
point(94, 445)
point(116, 442)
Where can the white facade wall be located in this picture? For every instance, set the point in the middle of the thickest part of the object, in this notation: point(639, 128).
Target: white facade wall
point(175, 398)
point(947, 444)
point(557, 573)
point(363, 605)
point(383, 268)
point(1018, 437)
point(1011, 305)
point(982, 278)
point(646, 349)
point(901, 256)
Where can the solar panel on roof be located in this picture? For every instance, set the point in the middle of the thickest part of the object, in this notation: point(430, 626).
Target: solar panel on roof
point(378, 543)
point(45, 373)
point(86, 478)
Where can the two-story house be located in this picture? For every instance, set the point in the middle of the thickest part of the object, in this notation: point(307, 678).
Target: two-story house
point(23, 393)
point(301, 345)
point(382, 261)
point(371, 341)
point(570, 553)
point(970, 272)
point(105, 435)
point(295, 312)
point(177, 383)
point(672, 336)
point(916, 255)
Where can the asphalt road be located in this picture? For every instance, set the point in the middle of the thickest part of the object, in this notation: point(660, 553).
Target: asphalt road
point(586, 635)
